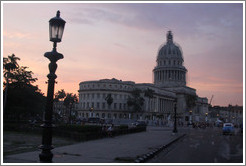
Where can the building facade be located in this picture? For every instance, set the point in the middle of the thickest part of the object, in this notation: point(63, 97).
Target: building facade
point(169, 87)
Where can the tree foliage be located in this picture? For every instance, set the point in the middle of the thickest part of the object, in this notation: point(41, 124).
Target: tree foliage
point(150, 94)
point(136, 100)
point(190, 101)
point(69, 101)
point(109, 99)
point(21, 98)
point(61, 94)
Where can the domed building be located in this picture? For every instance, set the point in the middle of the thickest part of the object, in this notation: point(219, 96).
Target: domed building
point(170, 71)
point(169, 87)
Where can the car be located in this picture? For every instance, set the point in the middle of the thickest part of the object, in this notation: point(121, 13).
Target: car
point(228, 128)
point(93, 120)
point(140, 123)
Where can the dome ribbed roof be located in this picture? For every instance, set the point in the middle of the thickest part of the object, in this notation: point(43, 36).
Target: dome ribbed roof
point(169, 49)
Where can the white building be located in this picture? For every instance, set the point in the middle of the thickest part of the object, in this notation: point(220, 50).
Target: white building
point(169, 86)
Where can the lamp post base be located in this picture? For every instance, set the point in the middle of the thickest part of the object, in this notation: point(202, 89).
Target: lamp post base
point(46, 156)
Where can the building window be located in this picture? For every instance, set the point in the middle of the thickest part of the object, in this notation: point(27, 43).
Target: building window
point(115, 105)
point(103, 115)
point(98, 105)
point(120, 106)
point(98, 95)
point(92, 95)
point(109, 115)
point(103, 105)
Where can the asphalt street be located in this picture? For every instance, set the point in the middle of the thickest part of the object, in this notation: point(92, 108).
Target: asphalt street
point(204, 146)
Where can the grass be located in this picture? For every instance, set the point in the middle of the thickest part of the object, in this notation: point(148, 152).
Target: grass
point(19, 142)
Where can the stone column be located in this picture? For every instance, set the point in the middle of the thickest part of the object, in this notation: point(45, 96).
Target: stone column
point(157, 103)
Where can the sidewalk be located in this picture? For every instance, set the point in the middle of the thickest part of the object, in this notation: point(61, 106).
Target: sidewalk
point(104, 150)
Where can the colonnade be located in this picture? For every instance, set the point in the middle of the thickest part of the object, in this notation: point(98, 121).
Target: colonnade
point(169, 75)
point(165, 105)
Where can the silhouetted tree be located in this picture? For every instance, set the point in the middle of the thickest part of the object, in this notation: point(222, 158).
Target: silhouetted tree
point(61, 94)
point(9, 65)
point(69, 102)
point(23, 99)
point(150, 94)
point(109, 99)
point(190, 101)
point(136, 100)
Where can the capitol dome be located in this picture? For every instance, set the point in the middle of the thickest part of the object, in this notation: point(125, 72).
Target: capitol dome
point(170, 49)
point(169, 71)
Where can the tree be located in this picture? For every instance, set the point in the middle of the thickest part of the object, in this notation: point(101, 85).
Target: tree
point(9, 65)
point(69, 102)
point(190, 101)
point(60, 95)
point(136, 100)
point(150, 94)
point(23, 99)
point(109, 99)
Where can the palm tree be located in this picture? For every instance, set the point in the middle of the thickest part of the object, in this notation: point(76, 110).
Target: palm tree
point(9, 65)
point(109, 99)
point(150, 94)
point(69, 102)
point(136, 101)
point(61, 94)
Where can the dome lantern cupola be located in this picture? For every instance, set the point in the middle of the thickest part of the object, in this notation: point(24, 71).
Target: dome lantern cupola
point(169, 36)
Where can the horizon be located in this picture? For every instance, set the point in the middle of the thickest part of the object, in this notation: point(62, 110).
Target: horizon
point(121, 41)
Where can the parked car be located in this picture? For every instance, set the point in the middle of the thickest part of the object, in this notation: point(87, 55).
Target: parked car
point(93, 120)
point(140, 123)
point(228, 128)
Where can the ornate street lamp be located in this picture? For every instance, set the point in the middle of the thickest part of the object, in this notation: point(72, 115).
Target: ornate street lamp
point(190, 123)
point(175, 118)
point(56, 27)
point(91, 112)
point(206, 119)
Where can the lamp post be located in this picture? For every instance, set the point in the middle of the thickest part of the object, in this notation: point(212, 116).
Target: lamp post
point(91, 112)
point(190, 117)
point(175, 118)
point(56, 27)
point(206, 119)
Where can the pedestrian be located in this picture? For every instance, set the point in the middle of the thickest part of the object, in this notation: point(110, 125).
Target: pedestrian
point(110, 130)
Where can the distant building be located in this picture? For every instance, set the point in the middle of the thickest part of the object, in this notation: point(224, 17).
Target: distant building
point(231, 113)
point(169, 86)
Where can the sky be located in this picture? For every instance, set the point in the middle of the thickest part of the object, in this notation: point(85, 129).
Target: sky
point(121, 40)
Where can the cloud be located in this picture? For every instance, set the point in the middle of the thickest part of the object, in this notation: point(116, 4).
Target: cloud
point(17, 35)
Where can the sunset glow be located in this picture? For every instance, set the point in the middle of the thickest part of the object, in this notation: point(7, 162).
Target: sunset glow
point(121, 40)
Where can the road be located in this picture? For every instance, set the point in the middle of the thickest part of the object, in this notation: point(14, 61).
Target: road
point(203, 146)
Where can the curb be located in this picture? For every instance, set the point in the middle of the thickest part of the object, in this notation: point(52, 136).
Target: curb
point(151, 154)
